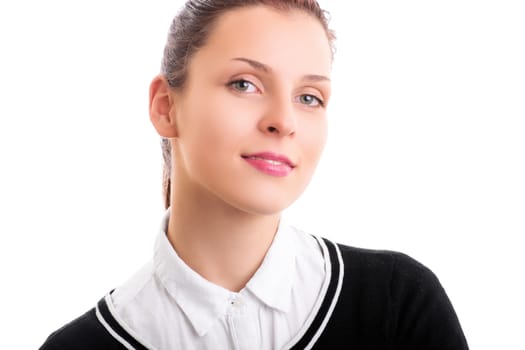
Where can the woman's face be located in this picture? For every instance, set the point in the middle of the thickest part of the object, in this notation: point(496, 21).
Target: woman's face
point(251, 119)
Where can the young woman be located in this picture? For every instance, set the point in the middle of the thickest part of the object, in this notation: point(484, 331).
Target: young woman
point(240, 106)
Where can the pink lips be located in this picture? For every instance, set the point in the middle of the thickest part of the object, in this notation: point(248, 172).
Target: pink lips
point(270, 163)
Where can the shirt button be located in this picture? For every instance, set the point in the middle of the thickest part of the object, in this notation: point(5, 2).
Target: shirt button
point(238, 305)
point(238, 302)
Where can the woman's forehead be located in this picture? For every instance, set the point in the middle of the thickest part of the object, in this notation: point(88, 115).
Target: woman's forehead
point(280, 39)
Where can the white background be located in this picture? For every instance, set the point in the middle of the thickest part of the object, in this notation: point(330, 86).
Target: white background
point(426, 152)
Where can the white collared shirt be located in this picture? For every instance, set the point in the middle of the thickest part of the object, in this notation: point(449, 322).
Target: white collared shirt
point(167, 305)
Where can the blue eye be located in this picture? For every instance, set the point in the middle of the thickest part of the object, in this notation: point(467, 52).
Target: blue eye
point(243, 86)
point(311, 100)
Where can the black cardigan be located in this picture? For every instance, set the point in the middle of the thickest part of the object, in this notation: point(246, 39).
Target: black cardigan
point(375, 300)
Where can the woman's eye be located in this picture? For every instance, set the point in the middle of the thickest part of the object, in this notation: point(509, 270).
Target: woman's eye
point(243, 86)
point(311, 100)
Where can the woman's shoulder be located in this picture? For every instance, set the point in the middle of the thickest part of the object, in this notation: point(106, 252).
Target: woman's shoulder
point(85, 332)
point(384, 294)
point(96, 329)
point(369, 267)
point(384, 280)
point(382, 264)
point(90, 331)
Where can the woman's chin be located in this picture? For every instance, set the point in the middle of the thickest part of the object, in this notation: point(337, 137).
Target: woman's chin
point(262, 205)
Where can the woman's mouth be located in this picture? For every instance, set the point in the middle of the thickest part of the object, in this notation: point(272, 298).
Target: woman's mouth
point(270, 163)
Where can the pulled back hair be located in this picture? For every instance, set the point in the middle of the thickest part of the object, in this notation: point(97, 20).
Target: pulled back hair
point(189, 31)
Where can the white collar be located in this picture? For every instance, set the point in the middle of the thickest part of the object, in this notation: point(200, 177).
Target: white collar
point(204, 302)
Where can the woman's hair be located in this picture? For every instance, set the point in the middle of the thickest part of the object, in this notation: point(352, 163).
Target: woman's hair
point(189, 31)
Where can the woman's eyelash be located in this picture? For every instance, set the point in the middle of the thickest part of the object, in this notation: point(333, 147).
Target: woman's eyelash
point(307, 99)
point(246, 86)
point(242, 85)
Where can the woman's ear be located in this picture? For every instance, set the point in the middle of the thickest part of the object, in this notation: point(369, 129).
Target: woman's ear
point(161, 106)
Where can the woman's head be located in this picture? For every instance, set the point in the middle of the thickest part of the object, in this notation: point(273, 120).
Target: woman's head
point(203, 34)
point(192, 26)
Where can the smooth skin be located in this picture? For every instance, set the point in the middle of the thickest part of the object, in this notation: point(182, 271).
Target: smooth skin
point(261, 83)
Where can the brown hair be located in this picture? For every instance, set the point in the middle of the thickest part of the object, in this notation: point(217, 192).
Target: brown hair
point(189, 31)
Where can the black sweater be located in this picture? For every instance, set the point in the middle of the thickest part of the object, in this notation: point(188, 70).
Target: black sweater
point(376, 300)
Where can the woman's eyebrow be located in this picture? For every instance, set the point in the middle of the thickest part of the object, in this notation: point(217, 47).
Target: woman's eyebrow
point(315, 78)
point(255, 64)
point(266, 69)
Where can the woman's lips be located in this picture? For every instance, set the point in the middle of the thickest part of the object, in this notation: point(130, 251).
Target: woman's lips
point(270, 163)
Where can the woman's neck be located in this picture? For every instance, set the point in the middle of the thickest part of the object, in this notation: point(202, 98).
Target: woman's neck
point(223, 244)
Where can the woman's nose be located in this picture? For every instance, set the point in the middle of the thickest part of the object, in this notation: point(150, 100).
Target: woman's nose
point(279, 119)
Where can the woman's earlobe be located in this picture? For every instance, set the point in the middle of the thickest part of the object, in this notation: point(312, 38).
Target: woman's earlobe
point(161, 109)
